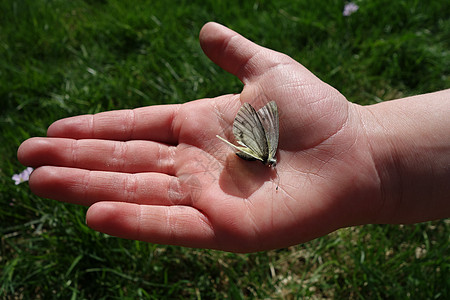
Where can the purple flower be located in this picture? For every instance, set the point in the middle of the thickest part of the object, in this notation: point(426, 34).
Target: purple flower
point(22, 177)
point(349, 9)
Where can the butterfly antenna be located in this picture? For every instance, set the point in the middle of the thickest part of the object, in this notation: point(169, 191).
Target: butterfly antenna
point(278, 177)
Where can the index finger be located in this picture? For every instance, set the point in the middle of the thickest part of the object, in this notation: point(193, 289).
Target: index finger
point(147, 123)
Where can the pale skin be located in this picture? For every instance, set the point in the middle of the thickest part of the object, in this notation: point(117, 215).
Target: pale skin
point(159, 174)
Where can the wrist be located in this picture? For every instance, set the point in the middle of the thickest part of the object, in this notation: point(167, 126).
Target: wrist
point(409, 143)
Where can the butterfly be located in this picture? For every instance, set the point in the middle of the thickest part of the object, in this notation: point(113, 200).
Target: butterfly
point(257, 133)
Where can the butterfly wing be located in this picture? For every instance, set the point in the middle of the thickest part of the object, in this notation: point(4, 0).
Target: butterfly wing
point(268, 115)
point(243, 152)
point(250, 133)
point(257, 133)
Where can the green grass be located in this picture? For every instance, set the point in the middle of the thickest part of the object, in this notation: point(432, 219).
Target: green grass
point(64, 58)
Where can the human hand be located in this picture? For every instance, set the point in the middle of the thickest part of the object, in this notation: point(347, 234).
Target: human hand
point(159, 174)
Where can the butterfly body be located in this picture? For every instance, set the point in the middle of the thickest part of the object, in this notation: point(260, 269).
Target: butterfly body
point(257, 133)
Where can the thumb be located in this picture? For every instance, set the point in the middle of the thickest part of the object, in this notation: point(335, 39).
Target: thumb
point(241, 57)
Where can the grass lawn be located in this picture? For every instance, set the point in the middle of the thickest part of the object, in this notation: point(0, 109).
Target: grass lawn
point(64, 58)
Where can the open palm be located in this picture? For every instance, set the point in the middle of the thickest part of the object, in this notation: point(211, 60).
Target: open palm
point(159, 173)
